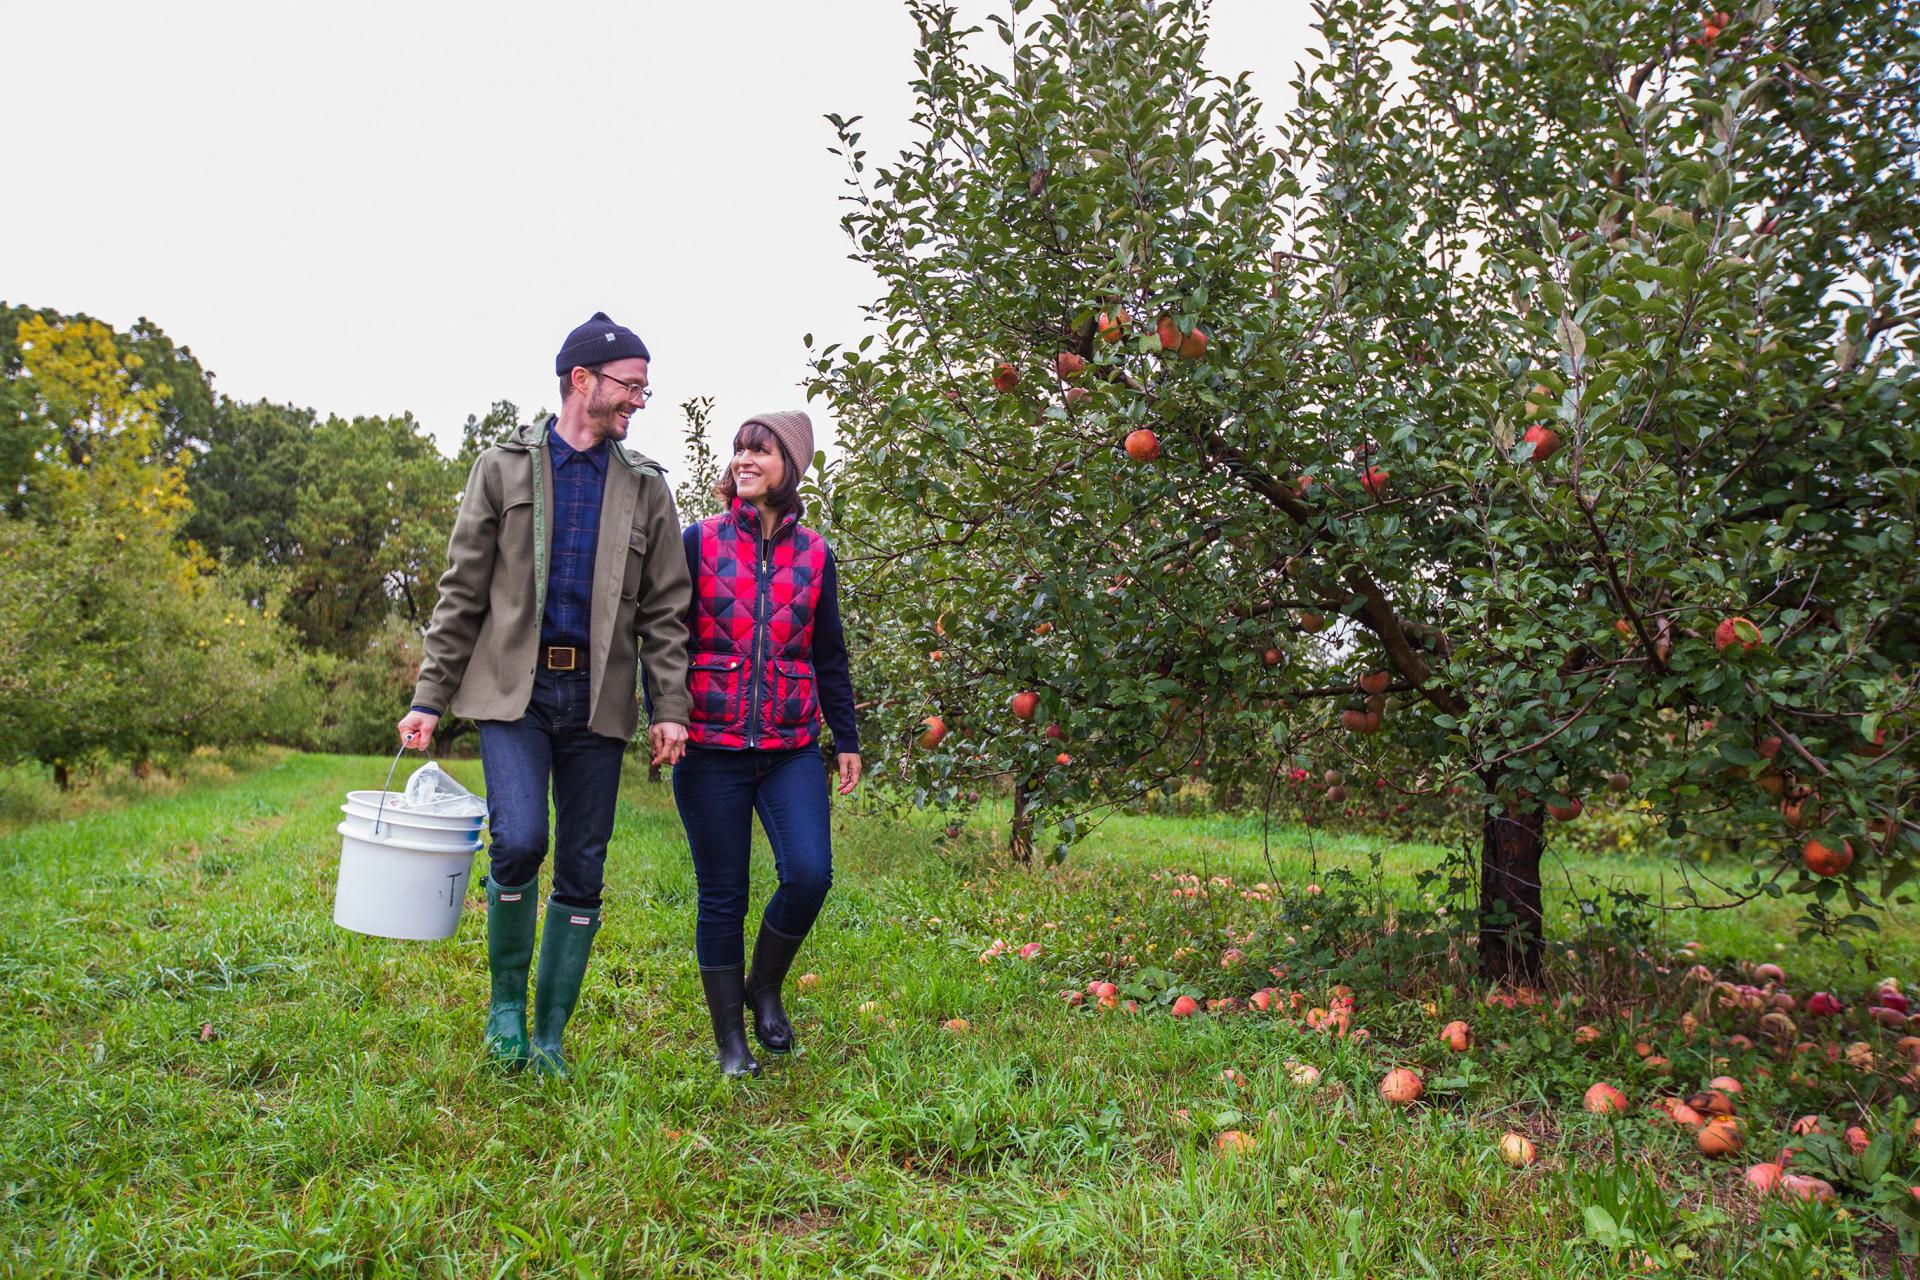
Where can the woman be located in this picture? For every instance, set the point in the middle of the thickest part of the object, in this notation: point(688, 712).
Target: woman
point(766, 655)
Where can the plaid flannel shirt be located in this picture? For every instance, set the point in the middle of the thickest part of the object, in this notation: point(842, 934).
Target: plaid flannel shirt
point(579, 480)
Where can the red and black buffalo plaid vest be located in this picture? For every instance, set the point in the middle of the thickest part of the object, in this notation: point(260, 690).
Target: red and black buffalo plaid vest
point(750, 637)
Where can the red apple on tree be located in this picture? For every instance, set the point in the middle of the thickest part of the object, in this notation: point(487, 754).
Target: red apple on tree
point(935, 730)
point(1544, 439)
point(1142, 445)
point(1112, 326)
point(1374, 481)
point(1736, 631)
point(1190, 345)
point(1376, 682)
point(1025, 703)
point(1824, 860)
point(1360, 720)
point(1005, 377)
point(1069, 364)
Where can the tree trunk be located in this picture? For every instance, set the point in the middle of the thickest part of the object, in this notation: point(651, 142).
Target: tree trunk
point(61, 778)
point(1510, 917)
point(1020, 834)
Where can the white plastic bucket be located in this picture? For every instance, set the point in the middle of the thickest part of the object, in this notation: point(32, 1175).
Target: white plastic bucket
point(367, 804)
point(391, 887)
point(418, 837)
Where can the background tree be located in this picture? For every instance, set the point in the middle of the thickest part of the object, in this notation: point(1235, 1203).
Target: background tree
point(370, 520)
point(479, 432)
point(252, 459)
point(116, 639)
point(693, 497)
point(1539, 415)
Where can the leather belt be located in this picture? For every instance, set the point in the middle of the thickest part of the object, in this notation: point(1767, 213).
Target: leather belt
point(562, 657)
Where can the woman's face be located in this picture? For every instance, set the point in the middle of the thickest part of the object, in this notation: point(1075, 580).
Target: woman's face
point(757, 469)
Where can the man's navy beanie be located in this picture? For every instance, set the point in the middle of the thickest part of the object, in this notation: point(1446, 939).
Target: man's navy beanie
point(596, 342)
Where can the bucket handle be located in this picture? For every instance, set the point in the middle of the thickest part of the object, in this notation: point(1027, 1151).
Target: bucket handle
point(389, 782)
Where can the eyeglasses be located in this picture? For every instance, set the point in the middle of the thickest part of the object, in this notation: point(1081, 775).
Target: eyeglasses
point(635, 390)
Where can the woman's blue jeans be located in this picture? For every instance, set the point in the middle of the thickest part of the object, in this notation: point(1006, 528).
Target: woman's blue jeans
point(718, 793)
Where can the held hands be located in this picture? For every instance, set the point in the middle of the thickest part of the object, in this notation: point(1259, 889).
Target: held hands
point(416, 729)
point(669, 742)
point(849, 772)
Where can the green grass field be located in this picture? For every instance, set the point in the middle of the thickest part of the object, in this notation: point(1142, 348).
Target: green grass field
point(201, 1075)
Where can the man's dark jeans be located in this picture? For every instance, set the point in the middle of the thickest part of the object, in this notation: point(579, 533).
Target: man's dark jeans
point(551, 743)
point(718, 793)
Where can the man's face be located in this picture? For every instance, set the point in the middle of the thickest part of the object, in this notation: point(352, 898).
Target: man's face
point(616, 395)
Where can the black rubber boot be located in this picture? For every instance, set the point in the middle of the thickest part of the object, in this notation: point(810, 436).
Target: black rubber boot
point(726, 989)
point(773, 954)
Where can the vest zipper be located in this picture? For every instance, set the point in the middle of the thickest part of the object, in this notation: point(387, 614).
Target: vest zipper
point(757, 674)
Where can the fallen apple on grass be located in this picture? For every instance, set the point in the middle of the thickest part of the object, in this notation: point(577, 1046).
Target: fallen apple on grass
point(1517, 1150)
point(1233, 1142)
point(1401, 1087)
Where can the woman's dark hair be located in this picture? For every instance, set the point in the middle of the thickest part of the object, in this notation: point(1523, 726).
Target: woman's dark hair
point(786, 497)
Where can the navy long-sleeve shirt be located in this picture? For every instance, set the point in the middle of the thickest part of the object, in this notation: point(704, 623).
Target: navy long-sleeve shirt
point(579, 484)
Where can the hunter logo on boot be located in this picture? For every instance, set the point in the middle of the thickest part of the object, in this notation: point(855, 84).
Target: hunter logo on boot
point(580, 919)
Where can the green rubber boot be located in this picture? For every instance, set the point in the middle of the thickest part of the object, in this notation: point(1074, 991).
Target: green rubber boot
point(510, 916)
point(556, 990)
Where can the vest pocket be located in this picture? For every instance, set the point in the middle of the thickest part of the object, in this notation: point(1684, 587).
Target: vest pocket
point(714, 682)
point(794, 703)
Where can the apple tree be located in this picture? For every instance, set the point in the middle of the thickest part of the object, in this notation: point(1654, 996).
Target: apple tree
point(1532, 406)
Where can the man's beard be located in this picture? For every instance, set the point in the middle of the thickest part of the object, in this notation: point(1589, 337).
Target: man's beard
point(604, 412)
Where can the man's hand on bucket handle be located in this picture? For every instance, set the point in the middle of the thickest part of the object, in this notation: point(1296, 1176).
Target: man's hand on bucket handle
point(416, 729)
point(669, 742)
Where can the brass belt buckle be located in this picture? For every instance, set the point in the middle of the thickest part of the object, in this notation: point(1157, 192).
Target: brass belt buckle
point(553, 652)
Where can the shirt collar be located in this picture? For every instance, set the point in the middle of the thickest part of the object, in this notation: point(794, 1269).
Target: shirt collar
point(563, 452)
point(748, 515)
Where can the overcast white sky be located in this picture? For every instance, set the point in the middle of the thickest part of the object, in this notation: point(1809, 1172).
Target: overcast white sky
point(374, 207)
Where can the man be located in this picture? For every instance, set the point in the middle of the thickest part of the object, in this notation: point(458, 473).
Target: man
point(566, 551)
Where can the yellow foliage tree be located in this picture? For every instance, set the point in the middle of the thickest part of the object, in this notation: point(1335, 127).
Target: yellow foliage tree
point(105, 454)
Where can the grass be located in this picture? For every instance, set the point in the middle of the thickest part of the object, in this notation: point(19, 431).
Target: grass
point(200, 1074)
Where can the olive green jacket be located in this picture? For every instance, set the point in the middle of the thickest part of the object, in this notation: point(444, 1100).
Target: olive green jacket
point(483, 643)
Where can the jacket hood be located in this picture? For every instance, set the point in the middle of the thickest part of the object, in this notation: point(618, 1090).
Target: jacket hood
point(533, 435)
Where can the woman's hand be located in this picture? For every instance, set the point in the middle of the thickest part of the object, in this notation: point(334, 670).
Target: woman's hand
point(849, 772)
